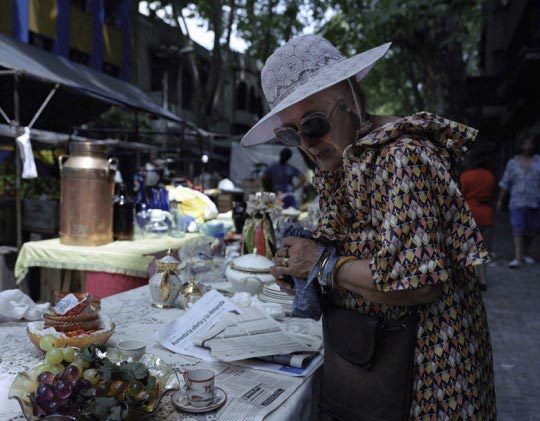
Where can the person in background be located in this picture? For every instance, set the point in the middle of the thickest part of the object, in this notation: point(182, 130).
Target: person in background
point(522, 180)
point(279, 178)
point(477, 185)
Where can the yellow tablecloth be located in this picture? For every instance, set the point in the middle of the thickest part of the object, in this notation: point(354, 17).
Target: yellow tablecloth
point(125, 257)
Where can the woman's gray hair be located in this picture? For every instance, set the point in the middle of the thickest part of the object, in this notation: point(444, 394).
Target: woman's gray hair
point(359, 92)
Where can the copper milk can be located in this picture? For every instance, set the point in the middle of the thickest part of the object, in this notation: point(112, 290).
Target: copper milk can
point(86, 195)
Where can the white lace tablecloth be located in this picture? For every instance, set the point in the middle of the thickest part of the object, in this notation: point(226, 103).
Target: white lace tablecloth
point(134, 318)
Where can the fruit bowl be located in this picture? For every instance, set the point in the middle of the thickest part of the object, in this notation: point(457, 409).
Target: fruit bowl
point(166, 381)
point(36, 331)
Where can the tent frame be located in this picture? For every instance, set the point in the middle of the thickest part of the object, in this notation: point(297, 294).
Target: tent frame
point(16, 124)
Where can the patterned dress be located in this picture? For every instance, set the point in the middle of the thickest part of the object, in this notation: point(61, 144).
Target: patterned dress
point(396, 202)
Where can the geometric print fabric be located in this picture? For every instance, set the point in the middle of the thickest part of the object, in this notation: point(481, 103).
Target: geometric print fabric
point(396, 202)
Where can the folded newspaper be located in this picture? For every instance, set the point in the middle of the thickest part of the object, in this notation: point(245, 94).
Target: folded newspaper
point(214, 329)
point(255, 334)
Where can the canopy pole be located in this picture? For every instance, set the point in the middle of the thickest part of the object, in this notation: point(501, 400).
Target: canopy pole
point(16, 124)
point(7, 72)
point(3, 113)
point(40, 110)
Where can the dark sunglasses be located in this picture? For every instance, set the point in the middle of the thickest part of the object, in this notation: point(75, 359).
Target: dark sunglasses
point(314, 125)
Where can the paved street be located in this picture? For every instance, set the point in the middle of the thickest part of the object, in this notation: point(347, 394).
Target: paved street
point(513, 301)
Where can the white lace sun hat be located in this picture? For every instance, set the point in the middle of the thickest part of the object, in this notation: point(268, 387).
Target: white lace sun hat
point(304, 66)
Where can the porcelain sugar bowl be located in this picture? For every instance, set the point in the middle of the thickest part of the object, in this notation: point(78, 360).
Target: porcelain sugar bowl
point(166, 284)
point(249, 273)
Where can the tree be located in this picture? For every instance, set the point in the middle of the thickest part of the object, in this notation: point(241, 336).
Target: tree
point(265, 24)
point(434, 48)
point(206, 95)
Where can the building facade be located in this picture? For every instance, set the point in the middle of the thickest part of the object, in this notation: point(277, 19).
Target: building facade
point(505, 98)
point(96, 33)
point(112, 37)
point(163, 72)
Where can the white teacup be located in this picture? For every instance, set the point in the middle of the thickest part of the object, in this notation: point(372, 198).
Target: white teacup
point(132, 348)
point(199, 387)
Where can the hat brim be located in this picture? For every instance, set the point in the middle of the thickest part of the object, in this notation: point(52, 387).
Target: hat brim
point(358, 65)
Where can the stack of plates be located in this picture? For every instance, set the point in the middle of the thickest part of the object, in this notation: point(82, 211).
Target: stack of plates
point(272, 294)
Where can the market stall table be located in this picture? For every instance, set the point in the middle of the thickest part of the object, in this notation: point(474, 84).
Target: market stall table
point(118, 265)
point(135, 318)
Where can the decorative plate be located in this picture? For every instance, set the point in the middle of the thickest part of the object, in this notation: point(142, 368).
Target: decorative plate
point(166, 378)
point(180, 401)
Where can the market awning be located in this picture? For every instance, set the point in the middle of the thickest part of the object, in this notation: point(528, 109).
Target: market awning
point(48, 67)
point(54, 139)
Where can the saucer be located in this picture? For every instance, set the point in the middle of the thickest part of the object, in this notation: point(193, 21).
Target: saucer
point(180, 401)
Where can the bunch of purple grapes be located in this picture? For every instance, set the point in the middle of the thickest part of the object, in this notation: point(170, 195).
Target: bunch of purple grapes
point(57, 394)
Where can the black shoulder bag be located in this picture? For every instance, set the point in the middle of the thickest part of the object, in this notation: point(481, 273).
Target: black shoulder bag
point(368, 367)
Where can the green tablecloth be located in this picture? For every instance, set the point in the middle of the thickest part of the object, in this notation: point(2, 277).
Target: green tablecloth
point(125, 257)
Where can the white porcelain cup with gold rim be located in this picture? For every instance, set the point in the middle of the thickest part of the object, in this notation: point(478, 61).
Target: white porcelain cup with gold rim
point(200, 390)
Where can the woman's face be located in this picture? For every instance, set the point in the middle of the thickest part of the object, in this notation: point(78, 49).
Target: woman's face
point(527, 147)
point(325, 151)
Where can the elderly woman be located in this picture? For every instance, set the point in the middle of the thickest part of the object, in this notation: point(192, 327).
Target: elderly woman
point(405, 327)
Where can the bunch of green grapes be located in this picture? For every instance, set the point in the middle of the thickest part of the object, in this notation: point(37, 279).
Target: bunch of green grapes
point(58, 381)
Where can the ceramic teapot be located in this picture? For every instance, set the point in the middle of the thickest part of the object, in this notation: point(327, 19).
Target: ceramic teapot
point(249, 273)
point(165, 285)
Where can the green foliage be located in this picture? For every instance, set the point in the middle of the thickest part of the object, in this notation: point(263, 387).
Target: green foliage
point(34, 188)
point(434, 42)
point(266, 24)
point(7, 185)
point(435, 45)
point(120, 118)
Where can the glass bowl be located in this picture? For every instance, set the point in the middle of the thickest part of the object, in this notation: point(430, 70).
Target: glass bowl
point(166, 378)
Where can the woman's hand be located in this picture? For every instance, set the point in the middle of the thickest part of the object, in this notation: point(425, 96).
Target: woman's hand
point(296, 258)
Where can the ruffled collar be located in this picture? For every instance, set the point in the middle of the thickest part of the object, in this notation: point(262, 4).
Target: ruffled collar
point(455, 137)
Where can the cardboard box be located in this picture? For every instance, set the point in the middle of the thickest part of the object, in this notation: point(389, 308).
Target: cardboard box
point(224, 202)
point(251, 186)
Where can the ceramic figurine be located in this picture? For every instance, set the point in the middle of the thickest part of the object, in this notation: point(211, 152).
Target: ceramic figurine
point(258, 233)
point(166, 284)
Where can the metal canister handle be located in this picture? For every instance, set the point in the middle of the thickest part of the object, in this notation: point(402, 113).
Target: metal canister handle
point(113, 162)
point(61, 160)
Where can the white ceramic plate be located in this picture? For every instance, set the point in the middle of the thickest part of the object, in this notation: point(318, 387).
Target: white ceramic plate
point(280, 296)
point(180, 401)
point(284, 300)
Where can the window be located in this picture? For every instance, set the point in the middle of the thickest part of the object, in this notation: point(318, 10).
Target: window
point(241, 96)
point(156, 74)
point(79, 57)
point(113, 12)
point(260, 107)
point(252, 101)
point(187, 89)
point(111, 69)
point(173, 84)
point(203, 65)
point(40, 41)
point(81, 4)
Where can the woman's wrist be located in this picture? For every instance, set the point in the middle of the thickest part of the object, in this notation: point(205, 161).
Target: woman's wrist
point(340, 264)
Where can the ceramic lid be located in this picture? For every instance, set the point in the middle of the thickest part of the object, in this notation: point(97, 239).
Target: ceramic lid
point(169, 259)
point(252, 263)
point(168, 262)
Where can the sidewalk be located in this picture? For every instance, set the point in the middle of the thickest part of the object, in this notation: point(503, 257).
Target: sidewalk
point(512, 303)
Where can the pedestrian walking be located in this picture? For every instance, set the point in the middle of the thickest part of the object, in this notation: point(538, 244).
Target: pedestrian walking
point(521, 179)
point(280, 177)
point(477, 186)
point(393, 254)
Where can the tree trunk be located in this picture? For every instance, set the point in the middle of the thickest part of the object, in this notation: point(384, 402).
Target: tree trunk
point(216, 60)
point(266, 39)
point(418, 99)
point(198, 94)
